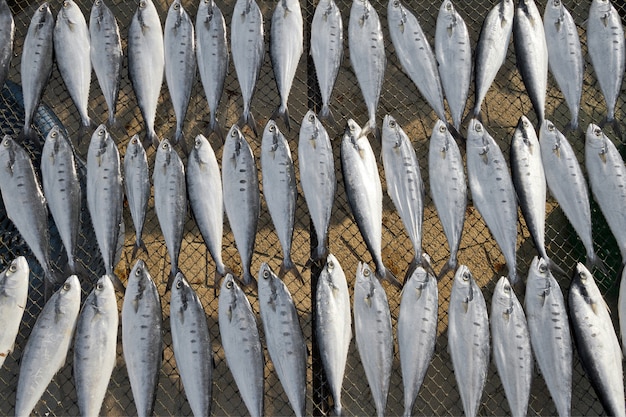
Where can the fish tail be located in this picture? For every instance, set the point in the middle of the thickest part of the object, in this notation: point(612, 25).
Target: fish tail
point(282, 112)
point(151, 138)
point(414, 264)
point(326, 114)
point(449, 266)
point(28, 135)
point(320, 252)
point(573, 124)
point(117, 283)
point(214, 127)
point(247, 119)
point(513, 278)
point(554, 267)
point(139, 244)
point(385, 274)
point(183, 144)
point(593, 261)
point(337, 410)
point(178, 136)
point(454, 132)
point(83, 130)
point(170, 281)
point(112, 120)
point(289, 266)
point(220, 273)
point(617, 129)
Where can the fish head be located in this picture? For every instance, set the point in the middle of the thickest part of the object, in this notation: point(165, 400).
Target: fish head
point(539, 279)
point(164, 153)
point(15, 275)
point(550, 138)
point(101, 294)
point(181, 294)
point(233, 142)
point(176, 13)
point(440, 138)
point(331, 268)
point(98, 143)
point(138, 282)
point(268, 285)
point(351, 136)
point(230, 292)
point(200, 146)
point(205, 11)
point(271, 137)
point(503, 296)
point(67, 296)
point(135, 147)
point(396, 13)
point(310, 128)
point(525, 136)
point(477, 140)
point(596, 142)
point(43, 16)
point(417, 281)
point(585, 287)
point(8, 153)
point(392, 137)
point(365, 280)
point(463, 285)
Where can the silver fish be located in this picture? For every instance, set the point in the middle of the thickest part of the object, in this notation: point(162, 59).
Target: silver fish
point(491, 49)
point(607, 50)
point(607, 179)
point(333, 325)
point(468, 338)
point(374, 339)
point(511, 346)
point(367, 55)
point(142, 338)
point(13, 297)
point(105, 197)
point(417, 332)
point(454, 56)
point(25, 204)
point(240, 183)
point(549, 333)
point(317, 178)
point(180, 62)
point(95, 347)
point(47, 345)
point(61, 188)
point(565, 57)
point(212, 56)
point(146, 62)
point(404, 182)
point(567, 184)
point(279, 190)
point(106, 53)
point(596, 341)
point(7, 34)
point(170, 201)
point(286, 46)
point(191, 342)
point(326, 50)
point(36, 64)
point(364, 191)
point(241, 343)
point(248, 47)
point(492, 191)
point(137, 184)
point(415, 55)
point(531, 54)
point(621, 309)
point(448, 188)
point(204, 186)
point(283, 335)
point(72, 52)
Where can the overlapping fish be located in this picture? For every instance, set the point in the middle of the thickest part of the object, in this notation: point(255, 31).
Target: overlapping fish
point(7, 33)
point(137, 184)
point(326, 50)
point(13, 296)
point(240, 184)
point(142, 338)
point(448, 188)
point(212, 55)
point(47, 346)
point(374, 338)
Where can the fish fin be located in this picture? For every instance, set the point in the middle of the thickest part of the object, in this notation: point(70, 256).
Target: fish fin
point(117, 283)
point(474, 114)
point(385, 274)
point(151, 138)
point(170, 281)
point(248, 120)
point(415, 262)
point(183, 145)
point(320, 253)
point(572, 126)
point(326, 114)
point(593, 261)
point(289, 266)
point(282, 113)
point(139, 244)
point(214, 127)
point(83, 130)
point(29, 135)
point(248, 280)
point(449, 266)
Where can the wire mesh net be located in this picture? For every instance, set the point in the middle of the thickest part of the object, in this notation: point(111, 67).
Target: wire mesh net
point(505, 103)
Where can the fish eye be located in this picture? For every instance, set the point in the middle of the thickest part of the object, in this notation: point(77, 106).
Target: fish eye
point(5, 143)
point(66, 4)
point(97, 2)
point(42, 8)
point(67, 286)
point(198, 142)
point(272, 128)
point(550, 127)
point(507, 288)
point(138, 271)
point(543, 268)
point(466, 276)
point(229, 284)
point(449, 6)
point(392, 123)
point(396, 3)
point(99, 286)
point(266, 274)
point(13, 267)
point(330, 265)
point(53, 134)
point(233, 133)
point(311, 117)
point(142, 4)
point(101, 131)
point(176, 6)
point(597, 131)
point(164, 145)
point(442, 129)
point(479, 127)
point(179, 284)
point(366, 272)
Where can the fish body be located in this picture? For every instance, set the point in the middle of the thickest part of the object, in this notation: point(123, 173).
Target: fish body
point(621, 307)
point(95, 347)
point(492, 191)
point(105, 196)
point(279, 189)
point(404, 181)
point(191, 342)
point(142, 337)
point(248, 49)
point(491, 49)
point(204, 187)
point(333, 325)
point(286, 47)
point(565, 57)
point(61, 188)
point(607, 51)
point(367, 55)
point(146, 62)
point(72, 52)
point(240, 184)
point(7, 35)
point(415, 55)
point(317, 178)
point(326, 50)
point(596, 341)
point(106, 53)
point(137, 184)
point(567, 184)
point(511, 346)
point(454, 55)
point(364, 191)
point(468, 338)
point(417, 332)
point(374, 339)
point(170, 201)
point(607, 179)
point(212, 55)
point(448, 188)
point(179, 47)
point(13, 297)
point(283, 335)
point(242, 346)
point(550, 335)
point(25, 203)
point(531, 54)
point(36, 64)
point(47, 346)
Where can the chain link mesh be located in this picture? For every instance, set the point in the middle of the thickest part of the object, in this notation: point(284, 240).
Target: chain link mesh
point(505, 103)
